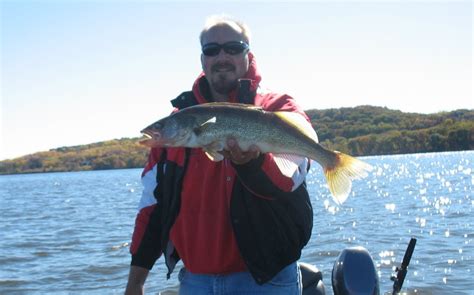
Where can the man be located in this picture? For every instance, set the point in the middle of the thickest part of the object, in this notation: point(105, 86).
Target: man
point(239, 224)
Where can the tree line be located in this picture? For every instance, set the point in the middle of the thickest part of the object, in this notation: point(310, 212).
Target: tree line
point(113, 154)
point(367, 130)
point(359, 131)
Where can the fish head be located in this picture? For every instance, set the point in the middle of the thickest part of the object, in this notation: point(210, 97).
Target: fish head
point(172, 131)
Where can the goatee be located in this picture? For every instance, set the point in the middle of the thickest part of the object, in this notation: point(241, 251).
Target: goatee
point(222, 85)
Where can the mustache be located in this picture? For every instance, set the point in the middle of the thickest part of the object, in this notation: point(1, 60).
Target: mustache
point(223, 66)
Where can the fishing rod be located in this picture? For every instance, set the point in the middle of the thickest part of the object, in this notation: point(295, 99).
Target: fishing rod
point(401, 271)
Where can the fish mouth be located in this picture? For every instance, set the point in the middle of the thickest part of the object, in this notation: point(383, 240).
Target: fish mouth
point(150, 138)
point(148, 134)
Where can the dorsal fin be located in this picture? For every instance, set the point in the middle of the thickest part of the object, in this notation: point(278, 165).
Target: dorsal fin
point(232, 105)
point(299, 122)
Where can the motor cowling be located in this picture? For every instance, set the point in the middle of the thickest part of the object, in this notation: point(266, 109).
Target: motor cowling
point(354, 273)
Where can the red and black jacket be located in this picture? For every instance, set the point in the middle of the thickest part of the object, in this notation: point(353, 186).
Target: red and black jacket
point(270, 214)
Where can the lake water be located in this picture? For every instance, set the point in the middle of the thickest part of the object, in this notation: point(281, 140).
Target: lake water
point(70, 232)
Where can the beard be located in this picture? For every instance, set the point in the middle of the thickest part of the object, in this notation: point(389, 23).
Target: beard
point(223, 84)
point(224, 78)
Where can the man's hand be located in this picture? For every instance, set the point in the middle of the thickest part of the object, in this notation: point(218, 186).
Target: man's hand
point(136, 280)
point(236, 155)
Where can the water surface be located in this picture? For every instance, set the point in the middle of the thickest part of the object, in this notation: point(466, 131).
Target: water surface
point(70, 232)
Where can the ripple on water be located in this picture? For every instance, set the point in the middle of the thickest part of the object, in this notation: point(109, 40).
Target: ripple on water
point(103, 270)
point(11, 283)
point(41, 254)
point(5, 260)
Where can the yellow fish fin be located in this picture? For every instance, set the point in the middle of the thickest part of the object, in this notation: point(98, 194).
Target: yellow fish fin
point(339, 177)
point(287, 163)
point(298, 121)
point(214, 156)
point(212, 151)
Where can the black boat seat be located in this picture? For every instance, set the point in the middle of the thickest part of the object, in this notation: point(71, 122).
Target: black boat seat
point(312, 279)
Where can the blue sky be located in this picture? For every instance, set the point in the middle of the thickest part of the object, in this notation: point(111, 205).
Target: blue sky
point(77, 72)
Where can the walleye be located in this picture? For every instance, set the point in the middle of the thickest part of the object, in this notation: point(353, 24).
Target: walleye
point(208, 126)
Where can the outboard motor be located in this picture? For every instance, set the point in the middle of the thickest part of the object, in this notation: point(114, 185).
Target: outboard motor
point(354, 273)
point(312, 279)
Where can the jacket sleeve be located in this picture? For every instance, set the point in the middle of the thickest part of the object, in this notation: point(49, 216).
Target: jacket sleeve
point(272, 175)
point(146, 246)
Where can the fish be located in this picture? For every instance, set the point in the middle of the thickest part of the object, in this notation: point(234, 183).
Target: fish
point(282, 133)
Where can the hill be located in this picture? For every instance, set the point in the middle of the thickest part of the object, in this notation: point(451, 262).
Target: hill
point(367, 130)
point(359, 131)
point(112, 154)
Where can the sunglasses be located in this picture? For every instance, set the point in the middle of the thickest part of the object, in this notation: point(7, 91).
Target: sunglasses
point(232, 48)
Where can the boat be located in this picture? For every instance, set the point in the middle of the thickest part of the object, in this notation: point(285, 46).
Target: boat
point(353, 273)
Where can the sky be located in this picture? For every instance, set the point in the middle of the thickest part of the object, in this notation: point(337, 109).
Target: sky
point(78, 72)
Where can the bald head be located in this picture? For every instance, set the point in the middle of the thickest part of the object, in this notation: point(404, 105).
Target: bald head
point(226, 23)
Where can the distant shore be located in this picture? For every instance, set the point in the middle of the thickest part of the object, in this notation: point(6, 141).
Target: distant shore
point(359, 131)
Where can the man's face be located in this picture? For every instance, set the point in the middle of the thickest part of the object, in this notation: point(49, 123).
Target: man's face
point(224, 70)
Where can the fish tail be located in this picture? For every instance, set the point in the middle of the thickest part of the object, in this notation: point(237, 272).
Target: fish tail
point(340, 175)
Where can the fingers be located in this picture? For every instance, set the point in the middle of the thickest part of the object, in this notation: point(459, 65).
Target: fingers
point(234, 149)
point(237, 155)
